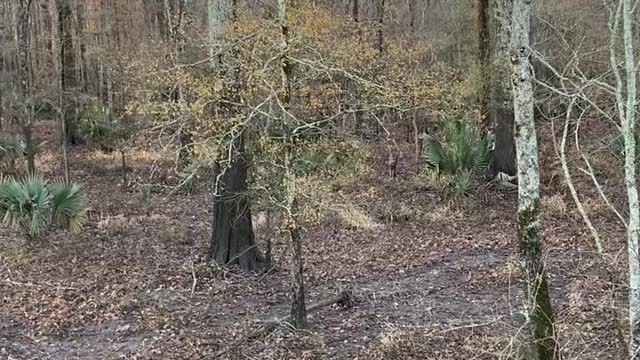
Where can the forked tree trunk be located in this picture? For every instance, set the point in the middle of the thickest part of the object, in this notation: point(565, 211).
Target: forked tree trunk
point(538, 302)
point(501, 109)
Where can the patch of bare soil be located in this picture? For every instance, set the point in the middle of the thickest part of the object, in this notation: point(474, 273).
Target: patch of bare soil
point(434, 279)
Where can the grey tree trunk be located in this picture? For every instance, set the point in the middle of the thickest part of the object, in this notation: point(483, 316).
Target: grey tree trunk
point(298, 306)
point(232, 240)
point(501, 109)
point(629, 131)
point(221, 16)
point(25, 80)
point(538, 302)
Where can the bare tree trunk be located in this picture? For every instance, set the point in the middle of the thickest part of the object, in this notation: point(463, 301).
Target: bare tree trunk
point(380, 21)
point(185, 138)
point(501, 112)
point(484, 60)
point(25, 80)
point(298, 307)
point(538, 302)
point(628, 132)
point(82, 47)
point(357, 125)
point(68, 70)
point(1, 100)
point(412, 15)
point(355, 11)
point(221, 15)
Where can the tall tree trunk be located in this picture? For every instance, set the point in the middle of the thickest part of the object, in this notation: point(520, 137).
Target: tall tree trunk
point(412, 15)
point(25, 80)
point(232, 240)
point(1, 100)
point(380, 21)
point(357, 125)
point(82, 47)
point(298, 306)
point(629, 131)
point(355, 11)
point(68, 70)
point(484, 62)
point(538, 302)
point(501, 112)
point(221, 15)
point(184, 137)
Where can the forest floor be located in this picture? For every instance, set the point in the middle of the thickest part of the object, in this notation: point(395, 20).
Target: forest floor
point(434, 276)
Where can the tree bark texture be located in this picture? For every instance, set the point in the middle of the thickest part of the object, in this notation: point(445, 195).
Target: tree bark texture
point(232, 240)
point(538, 302)
point(501, 109)
point(629, 131)
point(25, 80)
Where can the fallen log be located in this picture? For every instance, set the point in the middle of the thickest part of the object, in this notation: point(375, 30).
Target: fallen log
point(343, 299)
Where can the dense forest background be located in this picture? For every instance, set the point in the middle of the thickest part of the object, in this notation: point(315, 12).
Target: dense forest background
point(319, 179)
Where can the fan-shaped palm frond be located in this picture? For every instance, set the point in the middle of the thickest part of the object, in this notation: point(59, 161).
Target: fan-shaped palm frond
point(67, 205)
point(433, 153)
point(461, 150)
point(25, 203)
point(32, 204)
point(462, 155)
point(11, 148)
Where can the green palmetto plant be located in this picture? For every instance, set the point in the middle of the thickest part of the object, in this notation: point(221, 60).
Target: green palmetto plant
point(11, 148)
point(34, 204)
point(461, 155)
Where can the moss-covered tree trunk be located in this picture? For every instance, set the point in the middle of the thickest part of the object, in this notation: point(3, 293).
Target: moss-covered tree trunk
point(538, 301)
point(501, 107)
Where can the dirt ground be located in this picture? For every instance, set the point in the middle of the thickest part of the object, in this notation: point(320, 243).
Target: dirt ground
point(435, 277)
